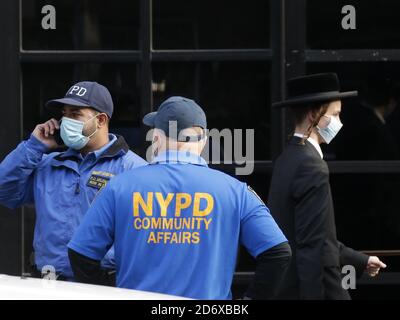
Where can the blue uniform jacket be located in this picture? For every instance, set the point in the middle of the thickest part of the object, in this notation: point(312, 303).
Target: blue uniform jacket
point(62, 186)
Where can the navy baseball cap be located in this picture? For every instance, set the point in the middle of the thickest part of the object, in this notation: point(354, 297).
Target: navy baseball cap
point(185, 112)
point(86, 94)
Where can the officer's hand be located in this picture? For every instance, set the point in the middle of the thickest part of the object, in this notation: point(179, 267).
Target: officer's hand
point(374, 265)
point(45, 133)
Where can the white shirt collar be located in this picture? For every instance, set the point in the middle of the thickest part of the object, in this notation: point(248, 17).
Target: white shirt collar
point(313, 142)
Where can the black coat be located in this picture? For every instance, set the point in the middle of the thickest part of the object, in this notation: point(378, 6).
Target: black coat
point(300, 201)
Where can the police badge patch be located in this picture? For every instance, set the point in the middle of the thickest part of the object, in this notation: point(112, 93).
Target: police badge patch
point(99, 179)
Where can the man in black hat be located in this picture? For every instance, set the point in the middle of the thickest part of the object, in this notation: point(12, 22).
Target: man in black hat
point(300, 197)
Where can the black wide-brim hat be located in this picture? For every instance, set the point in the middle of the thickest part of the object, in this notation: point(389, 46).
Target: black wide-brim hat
point(322, 87)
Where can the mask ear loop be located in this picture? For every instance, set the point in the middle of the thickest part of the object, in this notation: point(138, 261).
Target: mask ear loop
point(96, 126)
point(312, 125)
point(155, 152)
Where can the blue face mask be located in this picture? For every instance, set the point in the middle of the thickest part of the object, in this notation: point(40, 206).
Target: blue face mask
point(71, 132)
point(331, 130)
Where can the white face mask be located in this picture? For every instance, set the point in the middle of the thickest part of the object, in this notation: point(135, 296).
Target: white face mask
point(331, 130)
point(71, 132)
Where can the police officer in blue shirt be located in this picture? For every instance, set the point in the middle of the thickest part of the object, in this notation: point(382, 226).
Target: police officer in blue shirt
point(62, 185)
point(176, 224)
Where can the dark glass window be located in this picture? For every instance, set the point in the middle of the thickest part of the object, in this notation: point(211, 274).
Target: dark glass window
point(234, 95)
point(207, 24)
point(377, 25)
point(371, 121)
point(366, 209)
point(81, 25)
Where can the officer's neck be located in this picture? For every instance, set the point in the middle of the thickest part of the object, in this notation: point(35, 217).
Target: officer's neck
point(96, 142)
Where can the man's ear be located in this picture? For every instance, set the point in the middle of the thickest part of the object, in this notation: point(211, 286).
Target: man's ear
point(314, 116)
point(102, 120)
point(311, 116)
point(155, 139)
point(155, 144)
point(204, 143)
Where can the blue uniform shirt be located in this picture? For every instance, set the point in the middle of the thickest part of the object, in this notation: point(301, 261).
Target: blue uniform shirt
point(62, 187)
point(176, 225)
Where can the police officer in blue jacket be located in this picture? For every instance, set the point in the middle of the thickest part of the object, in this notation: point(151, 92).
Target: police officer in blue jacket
point(176, 224)
point(62, 185)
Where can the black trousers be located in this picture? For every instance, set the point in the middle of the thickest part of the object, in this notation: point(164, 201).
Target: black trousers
point(333, 285)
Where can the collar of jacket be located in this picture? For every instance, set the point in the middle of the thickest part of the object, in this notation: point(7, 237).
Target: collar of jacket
point(175, 157)
point(297, 141)
point(118, 148)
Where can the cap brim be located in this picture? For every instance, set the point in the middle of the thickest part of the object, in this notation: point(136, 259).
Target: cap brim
point(57, 103)
point(149, 119)
point(323, 97)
